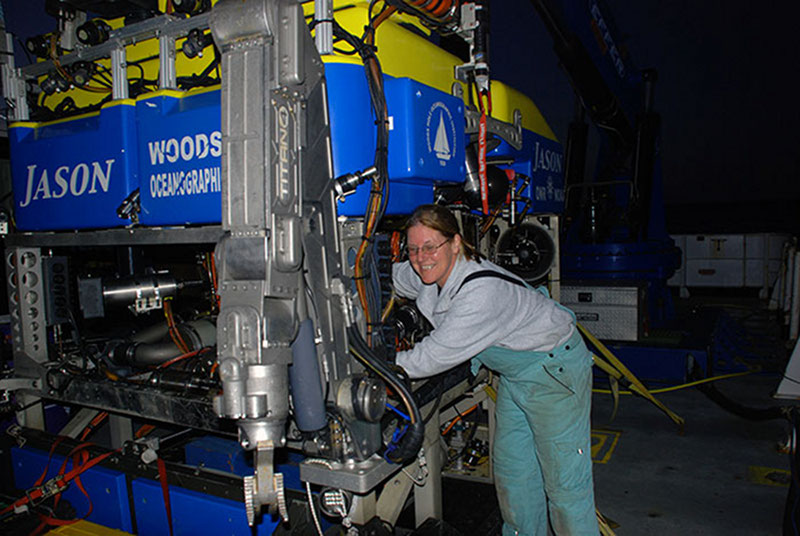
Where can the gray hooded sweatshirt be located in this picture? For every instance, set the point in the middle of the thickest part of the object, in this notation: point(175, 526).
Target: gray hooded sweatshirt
point(487, 311)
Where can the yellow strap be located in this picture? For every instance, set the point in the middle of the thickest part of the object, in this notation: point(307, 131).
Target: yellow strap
point(614, 383)
point(636, 385)
point(604, 524)
point(613, 379)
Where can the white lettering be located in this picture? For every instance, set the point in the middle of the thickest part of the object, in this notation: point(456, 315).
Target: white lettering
point(181, 183)
point(81, 172)
point(173, 152)
point(616, 58)
point(75, 181)
point(187, 148)
point(98, 175)
point(547, 160)
point(283, 153)
point(28, 186)
point(156, 152)
point(43, 187)
point(201, 145)
point(61, 181)
point(216, 144)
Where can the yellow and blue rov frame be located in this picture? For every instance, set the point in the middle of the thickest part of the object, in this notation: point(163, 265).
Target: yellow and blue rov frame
point(75, 173)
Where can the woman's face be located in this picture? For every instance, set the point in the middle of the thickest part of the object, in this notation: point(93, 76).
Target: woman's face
point(432, 255)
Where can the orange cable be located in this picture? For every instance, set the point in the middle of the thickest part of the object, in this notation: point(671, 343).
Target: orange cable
point(100, 417)
point(181, 357)
point(458, 418)
point(144, 430)
point(173, 329)
point(214, 281)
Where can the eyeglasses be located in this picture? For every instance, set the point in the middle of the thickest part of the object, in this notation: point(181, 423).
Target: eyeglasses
point(427, 249)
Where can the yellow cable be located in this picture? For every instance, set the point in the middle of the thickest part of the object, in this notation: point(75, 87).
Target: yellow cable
point(388, 308)
point(683, 385)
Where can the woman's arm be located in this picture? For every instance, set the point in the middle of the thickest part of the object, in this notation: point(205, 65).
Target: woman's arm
point(474, 321)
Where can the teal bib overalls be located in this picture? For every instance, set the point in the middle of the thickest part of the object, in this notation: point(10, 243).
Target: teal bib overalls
point(542, 444)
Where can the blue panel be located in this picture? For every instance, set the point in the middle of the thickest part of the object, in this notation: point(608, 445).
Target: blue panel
point(180, 148)
point(658, 364)
point(542, 160)
point(56, 417)
point(352, 122)
point(192, 513)
point(220, 454)
point(227, 455)
point(290, 468)
point(105, 487)
point(426, 140)
point(73, 174)
point(403, 199)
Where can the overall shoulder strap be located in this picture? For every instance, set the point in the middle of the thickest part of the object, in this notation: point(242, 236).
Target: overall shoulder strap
point(489, 273)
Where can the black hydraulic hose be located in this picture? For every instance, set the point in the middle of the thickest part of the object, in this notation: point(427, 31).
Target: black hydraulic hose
point(441, 382)
point(731, 406)
point(412, 439)
point(435, 406)
point(791, 512)
point(745, 412)
point(149, 347)
point(644, 157)
point(151, 334)
point(145, 355)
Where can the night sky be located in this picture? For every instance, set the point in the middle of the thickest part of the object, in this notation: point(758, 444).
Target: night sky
point(727, 90)
point(727, 94)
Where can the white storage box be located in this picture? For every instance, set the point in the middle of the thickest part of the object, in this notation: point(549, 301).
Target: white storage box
point(728, 260)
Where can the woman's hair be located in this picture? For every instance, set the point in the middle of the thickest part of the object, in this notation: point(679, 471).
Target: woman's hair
point(440, 219)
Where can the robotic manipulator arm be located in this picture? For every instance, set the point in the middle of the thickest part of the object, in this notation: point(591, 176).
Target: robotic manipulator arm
point(271, 78)
point(279, 219)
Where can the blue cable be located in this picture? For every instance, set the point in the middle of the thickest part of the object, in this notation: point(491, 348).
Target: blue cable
point(403, 415)
point(394, 443)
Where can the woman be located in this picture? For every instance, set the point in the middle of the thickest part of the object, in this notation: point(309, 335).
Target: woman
point(541, 450)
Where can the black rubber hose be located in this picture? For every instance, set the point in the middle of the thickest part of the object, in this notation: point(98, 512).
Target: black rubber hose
point(151, 334)
point(436, 386)
point(791, 512)
point(150, 348)
point(146, 355)
point(412, 439)
point(731, 406)
point(441, 382)
point(751, 414)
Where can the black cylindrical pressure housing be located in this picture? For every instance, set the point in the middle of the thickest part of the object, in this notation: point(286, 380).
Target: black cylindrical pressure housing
point(305, 382)
point(93, 32)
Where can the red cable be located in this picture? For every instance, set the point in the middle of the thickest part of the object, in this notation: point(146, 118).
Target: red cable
point(162, 477)
point(100, 417)
point(76, 471)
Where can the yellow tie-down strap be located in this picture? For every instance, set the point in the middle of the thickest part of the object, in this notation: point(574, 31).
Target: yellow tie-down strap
point(617, 371)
